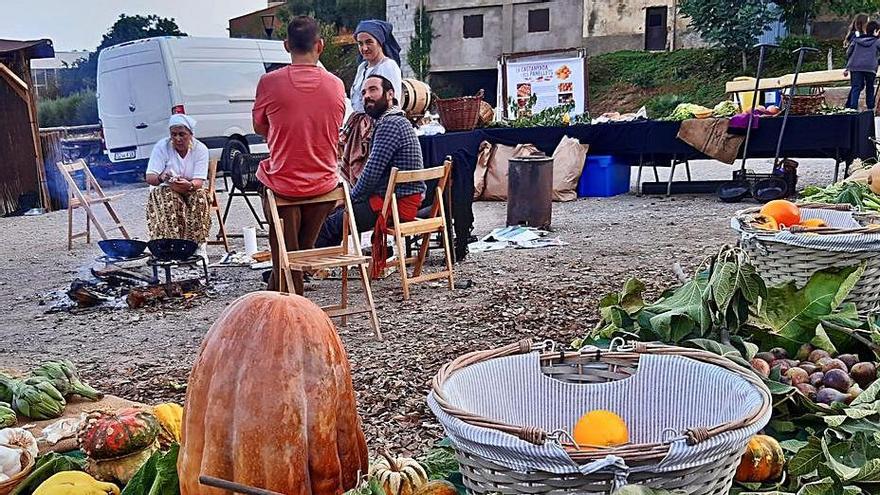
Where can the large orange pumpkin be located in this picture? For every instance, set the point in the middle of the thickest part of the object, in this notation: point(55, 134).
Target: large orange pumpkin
point(762, 461)
point(270, 402)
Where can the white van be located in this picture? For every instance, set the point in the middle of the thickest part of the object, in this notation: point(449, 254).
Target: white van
point(214, 80)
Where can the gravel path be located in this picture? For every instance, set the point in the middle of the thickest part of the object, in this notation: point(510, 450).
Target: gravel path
point(550, 293)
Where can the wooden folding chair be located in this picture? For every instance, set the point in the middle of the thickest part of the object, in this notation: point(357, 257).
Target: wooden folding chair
point(326, 258)
point(434, 223)
point(93, 195)
point(221, 239)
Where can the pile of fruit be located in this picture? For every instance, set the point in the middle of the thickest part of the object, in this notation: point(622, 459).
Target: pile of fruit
point(816, 374)
point(781, 214)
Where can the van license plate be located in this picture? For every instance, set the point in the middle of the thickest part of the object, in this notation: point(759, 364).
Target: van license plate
point(124, 155)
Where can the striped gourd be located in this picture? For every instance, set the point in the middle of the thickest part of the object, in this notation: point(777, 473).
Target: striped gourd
point(401, 476)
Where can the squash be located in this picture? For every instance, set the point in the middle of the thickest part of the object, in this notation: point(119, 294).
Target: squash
point(401, 476)
point(170, 417)
point(437, 487)
point(764, 222)
point(874, 179)
point(75, 482)
point(108, 435)
point(762, 461)
point(784, 212)
point(270, 402)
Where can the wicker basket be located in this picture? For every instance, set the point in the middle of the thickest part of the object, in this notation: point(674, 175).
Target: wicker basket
point(459, 114)
point(805, 104)
point(780, 263)
point(483, 476)
point(27, 464)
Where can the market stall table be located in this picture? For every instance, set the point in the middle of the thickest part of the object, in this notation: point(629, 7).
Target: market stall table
point(841, 138)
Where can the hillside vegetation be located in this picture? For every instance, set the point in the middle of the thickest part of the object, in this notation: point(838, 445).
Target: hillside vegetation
point(626, 80)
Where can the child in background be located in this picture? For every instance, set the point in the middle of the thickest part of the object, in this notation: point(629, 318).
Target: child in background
point(861, 65)
point(857, 28)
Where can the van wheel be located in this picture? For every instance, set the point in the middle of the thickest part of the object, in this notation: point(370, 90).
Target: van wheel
point(233, 147)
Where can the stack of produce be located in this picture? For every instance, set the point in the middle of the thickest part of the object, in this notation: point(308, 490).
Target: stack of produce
point(862, 195)
point(816, 374)
point(42, 395)
point(780, 214)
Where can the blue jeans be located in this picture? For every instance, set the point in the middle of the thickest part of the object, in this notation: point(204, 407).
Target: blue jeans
point(857, 81)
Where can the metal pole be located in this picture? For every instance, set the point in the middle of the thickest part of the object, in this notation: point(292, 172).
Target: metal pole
point(762, 47)
point(800, 61)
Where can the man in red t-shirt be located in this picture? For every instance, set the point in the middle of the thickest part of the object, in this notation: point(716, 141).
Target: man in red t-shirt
point(299, 109)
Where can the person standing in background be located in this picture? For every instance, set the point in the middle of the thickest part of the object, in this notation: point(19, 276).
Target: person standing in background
point(861, 65)
point(858, 26)
point(299, 109)
point(378, 55)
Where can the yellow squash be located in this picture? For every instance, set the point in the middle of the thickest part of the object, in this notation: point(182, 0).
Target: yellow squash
point(75, 483)
point(170, 416)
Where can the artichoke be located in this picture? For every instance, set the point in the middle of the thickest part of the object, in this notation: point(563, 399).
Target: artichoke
point(7, 416)
point(37, 401)
point(6, 382)
point(45, 385)
point(77, 386)
point(54, 372)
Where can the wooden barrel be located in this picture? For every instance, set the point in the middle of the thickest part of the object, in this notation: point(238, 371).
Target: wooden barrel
point(416, 97)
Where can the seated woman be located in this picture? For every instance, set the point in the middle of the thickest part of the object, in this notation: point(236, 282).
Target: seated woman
point(178, 206)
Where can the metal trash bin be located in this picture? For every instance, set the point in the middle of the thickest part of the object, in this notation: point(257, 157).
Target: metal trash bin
point(530, 191)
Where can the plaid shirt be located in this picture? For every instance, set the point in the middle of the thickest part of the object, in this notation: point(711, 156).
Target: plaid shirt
point(394, 145)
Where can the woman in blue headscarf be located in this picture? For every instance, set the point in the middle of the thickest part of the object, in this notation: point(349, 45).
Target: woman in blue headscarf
point(378, 54)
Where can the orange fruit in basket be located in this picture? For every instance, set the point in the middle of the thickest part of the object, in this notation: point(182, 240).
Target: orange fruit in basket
point(784, 212)
point(600, 428)
point(814, 223)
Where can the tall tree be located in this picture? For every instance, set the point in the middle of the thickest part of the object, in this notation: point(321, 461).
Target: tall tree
point(126, 28)
point(799, 14)
point(419, 55)
point(731, 25)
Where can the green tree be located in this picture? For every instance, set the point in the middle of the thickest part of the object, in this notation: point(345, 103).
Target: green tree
point(343, 13)
point(126, 28)
point(419, 55)
point(734, 26)
point(798, 14)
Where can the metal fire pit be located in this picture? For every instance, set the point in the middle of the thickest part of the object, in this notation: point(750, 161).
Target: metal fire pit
point(530, 191)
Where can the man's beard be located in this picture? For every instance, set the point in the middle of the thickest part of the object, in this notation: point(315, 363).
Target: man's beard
point(377, 108)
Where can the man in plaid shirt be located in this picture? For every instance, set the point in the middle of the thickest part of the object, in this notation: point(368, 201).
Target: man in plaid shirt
point(394, 144)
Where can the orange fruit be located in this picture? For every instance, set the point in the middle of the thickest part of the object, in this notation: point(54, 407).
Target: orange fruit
point(600, 428)
point(784, 212)
point(814, 223)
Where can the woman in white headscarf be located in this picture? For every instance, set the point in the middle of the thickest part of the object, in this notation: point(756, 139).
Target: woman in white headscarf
point(178, 206)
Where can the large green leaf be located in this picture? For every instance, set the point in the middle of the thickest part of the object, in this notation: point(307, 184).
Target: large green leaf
point(807, 459)
point(794, 314)
point(631, 297)
point(856, 461)
point(687, 301)
point(825, 486)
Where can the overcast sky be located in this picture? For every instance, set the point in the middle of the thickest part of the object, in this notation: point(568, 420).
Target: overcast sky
point(79, 24)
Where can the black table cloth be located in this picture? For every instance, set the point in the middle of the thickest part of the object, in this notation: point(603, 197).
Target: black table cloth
point(842, 138)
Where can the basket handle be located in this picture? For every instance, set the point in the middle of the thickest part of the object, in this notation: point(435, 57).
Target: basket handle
point(538, 436)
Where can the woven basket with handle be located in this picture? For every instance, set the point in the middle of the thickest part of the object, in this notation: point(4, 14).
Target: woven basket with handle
point(805, 104)
point(599, 368)
point(780, 263)
point(459, 114)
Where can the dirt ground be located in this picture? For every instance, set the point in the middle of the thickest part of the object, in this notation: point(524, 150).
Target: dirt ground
point(549, 293)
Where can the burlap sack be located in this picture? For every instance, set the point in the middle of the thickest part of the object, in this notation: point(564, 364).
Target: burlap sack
point(568, 164)
point(482, 169)
point(496, 178)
